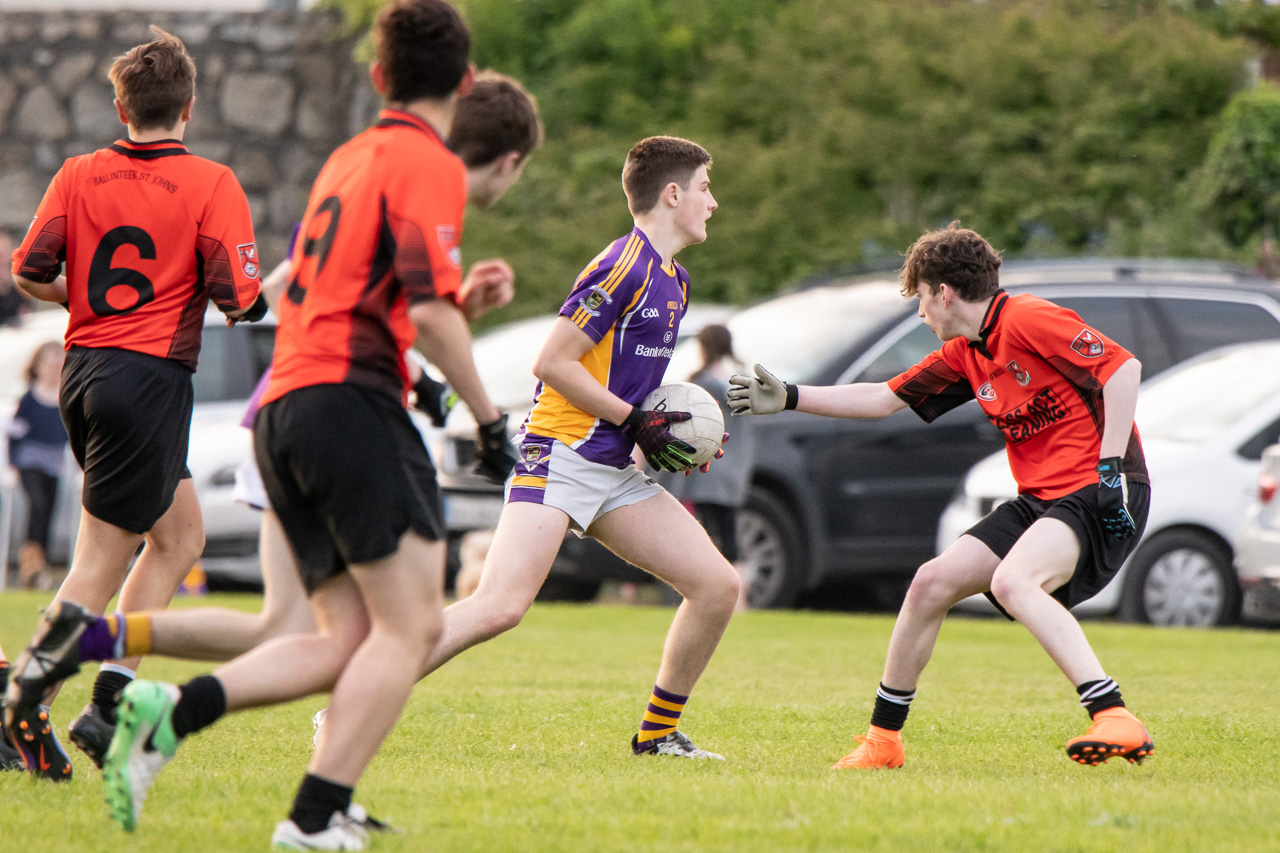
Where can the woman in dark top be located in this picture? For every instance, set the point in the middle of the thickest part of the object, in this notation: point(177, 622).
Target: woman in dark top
point(37, 444)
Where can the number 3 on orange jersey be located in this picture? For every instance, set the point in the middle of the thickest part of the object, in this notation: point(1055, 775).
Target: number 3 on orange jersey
point(316, 247)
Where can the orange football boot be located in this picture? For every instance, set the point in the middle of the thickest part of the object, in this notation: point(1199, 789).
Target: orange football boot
point(1114, 733)
point(877, 748)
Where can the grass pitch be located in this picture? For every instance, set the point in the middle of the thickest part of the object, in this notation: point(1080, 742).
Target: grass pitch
point(522, 744)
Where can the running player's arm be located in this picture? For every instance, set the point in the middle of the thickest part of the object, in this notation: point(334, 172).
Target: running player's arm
point(52, 291)
point(559, 365)
point(1120, 402)
point(37, 262)
point(230, 255)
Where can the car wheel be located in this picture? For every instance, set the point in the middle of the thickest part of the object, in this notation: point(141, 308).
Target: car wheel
point(1182, 578)
point(769, 546)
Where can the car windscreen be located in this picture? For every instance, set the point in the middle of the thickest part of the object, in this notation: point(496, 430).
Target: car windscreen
point(1201, 400)
point(798, 334)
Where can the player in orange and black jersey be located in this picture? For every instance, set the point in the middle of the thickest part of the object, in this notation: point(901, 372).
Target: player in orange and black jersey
point(148, 234)
point(346, 472)
point(1064, 396)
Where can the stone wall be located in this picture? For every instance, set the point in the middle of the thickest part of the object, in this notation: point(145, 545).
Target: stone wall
point(275, 93)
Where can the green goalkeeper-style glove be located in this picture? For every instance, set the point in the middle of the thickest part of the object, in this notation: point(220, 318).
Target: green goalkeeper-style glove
point(662, 450)
point(764, 395)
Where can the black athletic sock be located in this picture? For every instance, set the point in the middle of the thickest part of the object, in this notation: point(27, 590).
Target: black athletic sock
point(891, 708)
point(106, 693)
point(202, 702)
point(1100, 695)
point(316, 802)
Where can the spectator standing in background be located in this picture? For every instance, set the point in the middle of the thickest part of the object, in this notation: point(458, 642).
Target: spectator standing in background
point(717, 493)
point(37, 444)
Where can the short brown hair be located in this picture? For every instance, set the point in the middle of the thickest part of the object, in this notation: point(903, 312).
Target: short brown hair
point(956, 256)
point(423, 47)
point(154, 81)
point(655, 162)
point(33, 366)
point(498, 116)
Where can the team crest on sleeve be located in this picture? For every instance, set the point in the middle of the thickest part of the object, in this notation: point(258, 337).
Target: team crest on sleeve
point(594, 299)
point(986, 392)
point(248, 253)
point(447, 235)
point(1087, 344)
point(1018, 373)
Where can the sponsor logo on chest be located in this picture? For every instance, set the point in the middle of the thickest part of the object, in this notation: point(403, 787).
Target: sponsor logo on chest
point(1032, 417)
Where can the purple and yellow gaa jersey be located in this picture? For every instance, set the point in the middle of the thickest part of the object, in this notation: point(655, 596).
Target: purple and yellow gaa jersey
point(631, 306)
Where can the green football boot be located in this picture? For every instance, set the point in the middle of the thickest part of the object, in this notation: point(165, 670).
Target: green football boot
point(144, 743)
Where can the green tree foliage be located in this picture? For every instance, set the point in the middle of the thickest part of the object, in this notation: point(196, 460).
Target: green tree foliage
point(843, 128)
point(1240, 186)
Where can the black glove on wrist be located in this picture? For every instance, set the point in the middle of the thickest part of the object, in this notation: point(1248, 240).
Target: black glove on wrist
point(661, 449)
point(1112, 498)
point(495, 457)
point(256, 311)
point(435, 398)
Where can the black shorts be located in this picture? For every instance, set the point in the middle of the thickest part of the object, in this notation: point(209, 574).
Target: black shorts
point(1101, 554)
point(721, 523)
point(128, 418)
point(347, 475)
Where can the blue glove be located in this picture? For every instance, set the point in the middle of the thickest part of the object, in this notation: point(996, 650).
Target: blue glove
point(1112, 499)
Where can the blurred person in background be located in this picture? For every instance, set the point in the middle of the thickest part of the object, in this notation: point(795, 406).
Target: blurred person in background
point(37, 444)
point(717, 493)
point(13, 304)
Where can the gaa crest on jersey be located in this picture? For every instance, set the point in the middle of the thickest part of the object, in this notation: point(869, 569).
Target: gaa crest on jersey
point(447, 236)
point(1087, 344)
point(532, 454)
point(986, 392)
point(1019, 374)
point(248, 253)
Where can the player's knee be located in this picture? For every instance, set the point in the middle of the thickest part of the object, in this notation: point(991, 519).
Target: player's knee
point(504, 617)
point(717, 588)
point(932, 586)
point(1006, 587)
point(729, 584)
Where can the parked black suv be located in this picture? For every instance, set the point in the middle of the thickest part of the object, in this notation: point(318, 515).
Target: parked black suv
point(835, 501)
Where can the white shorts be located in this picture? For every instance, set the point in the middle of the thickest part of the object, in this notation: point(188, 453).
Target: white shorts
point(248, 488)
point(552, 473)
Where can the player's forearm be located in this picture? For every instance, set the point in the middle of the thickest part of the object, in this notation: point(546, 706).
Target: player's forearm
point(443, 337)
point(861, 400)
point(51, 291)
point(576, 384)
point(274, 284)
point(1119, 402)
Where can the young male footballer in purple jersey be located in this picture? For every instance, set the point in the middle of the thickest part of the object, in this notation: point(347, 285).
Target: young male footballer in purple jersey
point(609, 348)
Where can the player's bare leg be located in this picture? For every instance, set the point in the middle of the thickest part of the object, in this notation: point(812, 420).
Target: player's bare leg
point(221, 633)
point(173, 545)
point(663, 538)
point(1043, 559)
point(524, 546)
point(965, 568)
